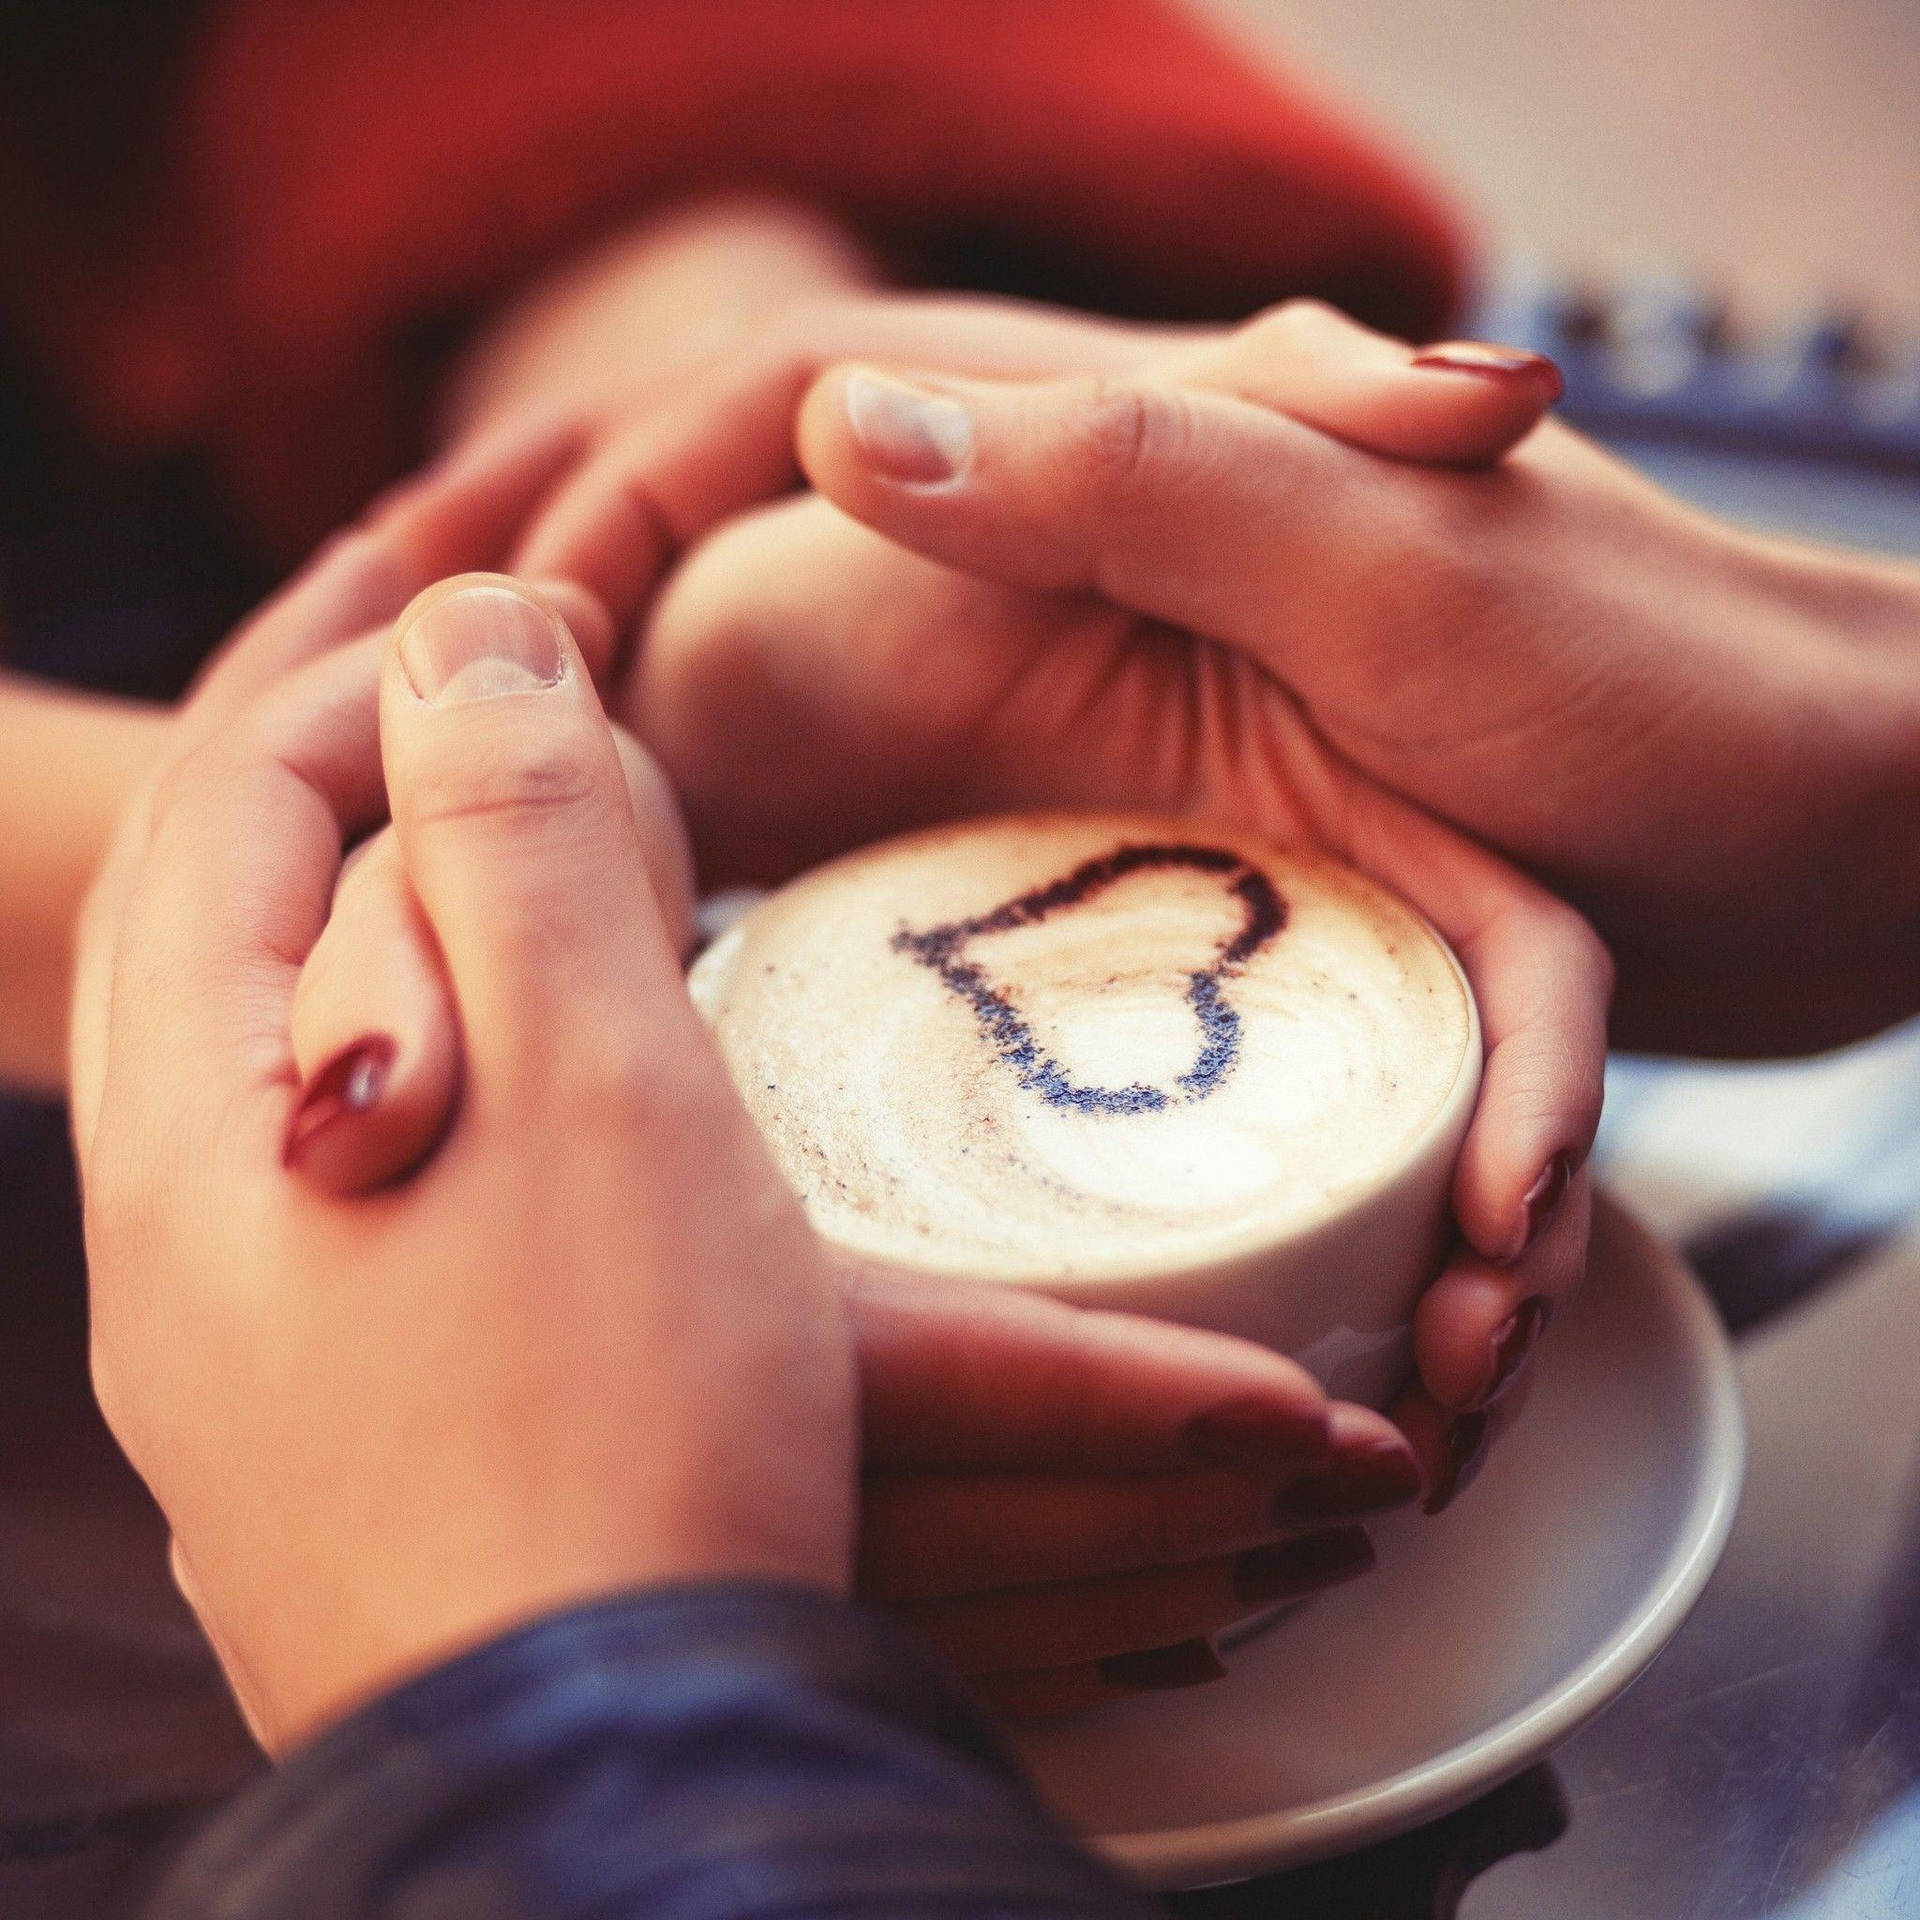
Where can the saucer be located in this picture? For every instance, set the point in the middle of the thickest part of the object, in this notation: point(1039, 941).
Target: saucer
point(1482, 1639)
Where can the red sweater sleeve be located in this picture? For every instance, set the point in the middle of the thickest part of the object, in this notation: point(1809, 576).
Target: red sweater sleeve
point(349, 175)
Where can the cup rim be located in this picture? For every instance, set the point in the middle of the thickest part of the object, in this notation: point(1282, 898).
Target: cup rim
point(1445, 1128)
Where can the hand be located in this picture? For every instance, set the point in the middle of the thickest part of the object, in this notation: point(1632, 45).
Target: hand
point(1045, 1488)
point(796, 645)
point(770, 793)
point(1708, 741)
point(709, 434)
point(382, 1432)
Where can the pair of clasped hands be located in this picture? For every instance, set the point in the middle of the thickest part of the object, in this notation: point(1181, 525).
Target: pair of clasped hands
point(440, 1279)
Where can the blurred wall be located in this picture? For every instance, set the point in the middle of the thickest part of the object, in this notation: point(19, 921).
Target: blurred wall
point(1770, 146)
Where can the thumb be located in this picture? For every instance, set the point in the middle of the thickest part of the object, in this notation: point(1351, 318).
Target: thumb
point(375, 1038)
point(511, 807)
point(1189, 502)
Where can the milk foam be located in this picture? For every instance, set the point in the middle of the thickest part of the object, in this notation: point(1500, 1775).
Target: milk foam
point(1083, 1045)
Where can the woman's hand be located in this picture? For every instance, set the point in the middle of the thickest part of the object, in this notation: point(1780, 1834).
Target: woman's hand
point(593, 1344)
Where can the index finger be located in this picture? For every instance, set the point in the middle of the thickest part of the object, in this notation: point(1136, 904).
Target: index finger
point(959, 1375)
point(456, 516)
point(223, 899)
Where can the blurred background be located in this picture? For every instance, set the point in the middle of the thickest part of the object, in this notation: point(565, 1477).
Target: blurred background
point(1766, 147)
point(1709, 211)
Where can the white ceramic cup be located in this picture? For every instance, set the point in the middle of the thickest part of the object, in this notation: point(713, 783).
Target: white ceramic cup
point(818, 985)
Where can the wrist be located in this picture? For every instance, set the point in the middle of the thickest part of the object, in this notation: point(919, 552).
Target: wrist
point(1830, 654)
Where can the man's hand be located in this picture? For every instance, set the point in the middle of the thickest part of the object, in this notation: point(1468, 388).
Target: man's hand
point(594, 1345)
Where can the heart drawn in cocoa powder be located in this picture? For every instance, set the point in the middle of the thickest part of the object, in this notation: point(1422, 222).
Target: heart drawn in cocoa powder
point(944, 950)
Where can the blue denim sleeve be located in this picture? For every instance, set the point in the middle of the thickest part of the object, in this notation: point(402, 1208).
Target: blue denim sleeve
point(698, 1753)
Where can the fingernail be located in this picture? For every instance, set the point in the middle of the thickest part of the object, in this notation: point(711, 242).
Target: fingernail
point(348, 1084)
point(918, 438)
point(1491, 362)
point(1463, 1447)
point(1290, 1569)
point(479, 642)
point(1543, 1197)
point(1369, 1479)
point(1190, 1663)
point(1513, 1340)
point(1255, 1436)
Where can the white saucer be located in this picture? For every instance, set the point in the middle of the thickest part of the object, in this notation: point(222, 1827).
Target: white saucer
point(1483, 1638)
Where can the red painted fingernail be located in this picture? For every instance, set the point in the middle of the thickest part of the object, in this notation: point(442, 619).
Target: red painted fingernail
point(1190, 1663)
point(1463, 1447)
point(1367, 1479)
point(1290, 1569)
point(349, 1084)
point(1255, 1436)
point(1542, 1201)
point(1513, 1340)
point(1492, 362)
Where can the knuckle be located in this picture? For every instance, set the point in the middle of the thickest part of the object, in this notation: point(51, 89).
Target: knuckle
point(184, 776)
point(1112, 436)
point(1124, 433)
point(534, 783)
point(1294, 322)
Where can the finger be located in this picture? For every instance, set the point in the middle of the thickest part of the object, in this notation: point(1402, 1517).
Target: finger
point(455, 516)
point(1462, 403)
point(664, 848)
point(928, 1536)
point(347, 586)
point(590, 624)
point(958, 1375)
point(1453, 1447)
point(228, 894)
point(1477, 1326)
point(1542, 982)
point(375, 1037)
point(467, 510)
point(1049, 1693)
point(1086, 1620)
point(1196, 508)
point(517, 831)
point(375, 1040)
point(679, 468)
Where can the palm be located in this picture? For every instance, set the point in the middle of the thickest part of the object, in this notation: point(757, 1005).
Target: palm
point(811, 686)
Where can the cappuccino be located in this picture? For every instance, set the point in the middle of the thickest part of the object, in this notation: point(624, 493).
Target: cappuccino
point(1070, 1049)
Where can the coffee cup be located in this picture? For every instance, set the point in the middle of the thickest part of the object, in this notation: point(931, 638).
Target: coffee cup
point(1133, 1062)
